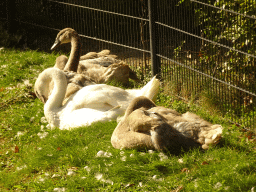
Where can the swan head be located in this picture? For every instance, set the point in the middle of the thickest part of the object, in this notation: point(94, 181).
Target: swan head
point(64, 36)
point(42, 87)
point(44, 84)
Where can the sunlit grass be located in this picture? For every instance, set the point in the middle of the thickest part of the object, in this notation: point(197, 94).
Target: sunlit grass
point(34, 158)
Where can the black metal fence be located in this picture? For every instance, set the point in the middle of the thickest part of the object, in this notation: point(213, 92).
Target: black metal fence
point(203, 50)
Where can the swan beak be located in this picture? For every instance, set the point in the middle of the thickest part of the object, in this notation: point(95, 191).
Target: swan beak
point(41, 97)
point(56, 43)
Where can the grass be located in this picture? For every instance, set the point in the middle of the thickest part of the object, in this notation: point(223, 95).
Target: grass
point(34, 158)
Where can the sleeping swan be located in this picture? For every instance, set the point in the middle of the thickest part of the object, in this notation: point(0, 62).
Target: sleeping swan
point(90, 104)
point(146, 125)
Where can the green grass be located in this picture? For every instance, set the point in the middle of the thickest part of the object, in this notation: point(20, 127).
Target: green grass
point(34, 158)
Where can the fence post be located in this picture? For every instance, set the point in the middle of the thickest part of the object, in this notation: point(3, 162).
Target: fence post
point(10, 13)
point(155, 60)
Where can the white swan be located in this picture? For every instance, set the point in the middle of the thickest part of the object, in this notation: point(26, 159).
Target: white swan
point(90, 104)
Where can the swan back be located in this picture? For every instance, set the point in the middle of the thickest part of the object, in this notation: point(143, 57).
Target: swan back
point(93, 55)
point(104, 61)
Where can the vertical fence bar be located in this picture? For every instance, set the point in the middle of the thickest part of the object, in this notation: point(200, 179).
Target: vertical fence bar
point(155, 61)
point(10, 12)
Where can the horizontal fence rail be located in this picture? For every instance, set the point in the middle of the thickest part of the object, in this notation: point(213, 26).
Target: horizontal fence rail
point(203, 50)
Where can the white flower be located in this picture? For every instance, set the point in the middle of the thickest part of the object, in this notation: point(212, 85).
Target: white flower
point(71, 172)
point(26, 83)
point(21, 167)
point(100, 154)
point(150, 151)
point(39, 148)
point(43, 120)
point(180, 160)
point(41, 179)
point(162, 156)
point(42, 127)
point(19, 133)
point(99, 176)
point(103, 154)
point(42, 135)
point(140, 184)
point(109, 181)
point(60, 189)
point(107, 154)
point(217, 185)
point(122, 153)
point(155, 177)
point(123, 158)
point(87, 168)
point(32, 119)
point(110, 164)
point(132, 155)
point(55, 175)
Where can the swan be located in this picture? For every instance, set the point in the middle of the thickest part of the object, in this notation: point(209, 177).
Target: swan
point(89, 72)
point(97, 66)
point(146, 125)
point(75, 82)
point(99, 102)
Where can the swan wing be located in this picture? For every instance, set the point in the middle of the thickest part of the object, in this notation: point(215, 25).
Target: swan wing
point(101, 97)
point(103, 61)
point(87, 116)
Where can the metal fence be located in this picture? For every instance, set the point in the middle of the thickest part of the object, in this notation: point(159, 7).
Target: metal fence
point(203, 50)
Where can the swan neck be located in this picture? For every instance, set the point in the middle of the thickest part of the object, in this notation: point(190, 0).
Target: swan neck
point(57, 96)
point(74, 57)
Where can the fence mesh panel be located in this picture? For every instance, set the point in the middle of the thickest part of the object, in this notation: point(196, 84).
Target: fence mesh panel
point(206, 47)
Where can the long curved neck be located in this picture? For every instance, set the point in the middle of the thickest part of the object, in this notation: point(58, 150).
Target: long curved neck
point(74, 57)
point(54, 102)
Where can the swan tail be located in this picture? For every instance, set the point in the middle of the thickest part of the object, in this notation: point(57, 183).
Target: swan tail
point(151, 89)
